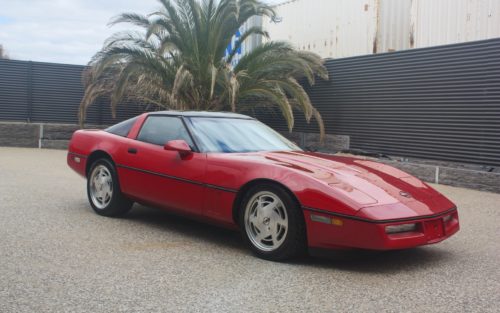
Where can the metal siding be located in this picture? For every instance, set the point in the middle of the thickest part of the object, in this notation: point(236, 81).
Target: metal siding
point(439, 22)
point(51, 92)
point(393, 33)
point(57, 92)
point(13, 90)
point(327, 27)
point(124, 110)
point(437, 103)
point(346, 28)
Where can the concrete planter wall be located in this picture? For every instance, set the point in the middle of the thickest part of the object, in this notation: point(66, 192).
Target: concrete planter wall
point(331, 144)
point(458, 176)
point(36, 135)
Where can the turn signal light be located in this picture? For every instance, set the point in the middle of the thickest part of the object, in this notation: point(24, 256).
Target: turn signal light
point(337, 222)
point(327, 220)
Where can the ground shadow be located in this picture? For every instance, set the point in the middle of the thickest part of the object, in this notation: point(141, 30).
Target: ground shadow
point(346, 260)
point(187, 227)
point(384, 262)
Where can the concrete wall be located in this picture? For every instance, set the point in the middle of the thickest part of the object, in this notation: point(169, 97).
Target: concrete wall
point(36, 135)
point(311, 141)
point(480, 179)
point(19, 134)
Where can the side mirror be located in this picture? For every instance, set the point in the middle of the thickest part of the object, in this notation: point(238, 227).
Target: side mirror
point(180, 146)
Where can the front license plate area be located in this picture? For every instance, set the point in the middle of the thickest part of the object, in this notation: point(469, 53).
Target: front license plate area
point(434, 229)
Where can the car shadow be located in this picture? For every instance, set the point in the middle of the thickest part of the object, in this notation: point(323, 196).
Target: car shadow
point(190, 229)
point(383, 262)
point(388, 262)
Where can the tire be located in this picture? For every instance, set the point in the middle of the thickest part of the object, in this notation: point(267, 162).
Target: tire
point(272, 223)
point(103, 190)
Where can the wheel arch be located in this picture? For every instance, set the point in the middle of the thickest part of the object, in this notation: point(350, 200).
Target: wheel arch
point(247, 186)
point(94, 156)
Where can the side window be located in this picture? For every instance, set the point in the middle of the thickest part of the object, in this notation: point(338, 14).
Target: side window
point(159, 130)
point(123, 128)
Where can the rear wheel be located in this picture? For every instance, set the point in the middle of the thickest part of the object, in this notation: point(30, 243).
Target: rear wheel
point(103, 190)
point(272, 223)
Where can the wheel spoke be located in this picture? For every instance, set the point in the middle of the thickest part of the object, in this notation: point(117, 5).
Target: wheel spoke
point(260, 203)
point(268, 209)
point(261, 235)
point(281, 225)
point(253, 219)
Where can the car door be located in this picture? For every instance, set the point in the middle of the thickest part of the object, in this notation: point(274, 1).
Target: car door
point(157, 176)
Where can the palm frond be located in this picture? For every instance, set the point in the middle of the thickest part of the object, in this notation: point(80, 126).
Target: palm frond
point(177, 59)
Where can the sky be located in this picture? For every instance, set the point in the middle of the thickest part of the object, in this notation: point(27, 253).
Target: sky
point(63, 31)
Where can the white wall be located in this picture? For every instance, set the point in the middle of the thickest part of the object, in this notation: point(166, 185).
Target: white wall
point(333, 29)
point(438, 22)
point(343, 28)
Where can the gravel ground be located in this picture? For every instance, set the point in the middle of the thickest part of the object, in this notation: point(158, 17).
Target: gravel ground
point(56, 255)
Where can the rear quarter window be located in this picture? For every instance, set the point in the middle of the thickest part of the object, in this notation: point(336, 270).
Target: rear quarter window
point(123, 128)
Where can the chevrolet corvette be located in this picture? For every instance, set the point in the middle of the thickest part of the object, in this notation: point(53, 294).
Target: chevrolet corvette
point(232, 170)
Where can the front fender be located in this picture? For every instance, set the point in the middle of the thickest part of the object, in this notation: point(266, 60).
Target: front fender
point(235, 174)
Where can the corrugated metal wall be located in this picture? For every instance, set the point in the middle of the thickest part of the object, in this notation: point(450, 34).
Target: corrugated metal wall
point(439, 103)
point(50, 92)
point(14, 90)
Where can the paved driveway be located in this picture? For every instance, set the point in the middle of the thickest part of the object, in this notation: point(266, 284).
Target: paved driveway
point(56, 255)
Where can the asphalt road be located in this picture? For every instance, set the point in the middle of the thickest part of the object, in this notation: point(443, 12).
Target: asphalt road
point(56, 255)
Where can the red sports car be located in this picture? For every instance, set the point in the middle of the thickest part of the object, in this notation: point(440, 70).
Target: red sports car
point(232, 170)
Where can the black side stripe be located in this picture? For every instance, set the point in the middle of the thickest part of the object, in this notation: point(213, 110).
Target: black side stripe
point(351, 217)
point(221, 188)
point(178, 178)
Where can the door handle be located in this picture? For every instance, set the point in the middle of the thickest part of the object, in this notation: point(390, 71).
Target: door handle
point(132, 150)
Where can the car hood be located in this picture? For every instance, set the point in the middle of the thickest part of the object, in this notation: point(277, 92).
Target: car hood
point(366, 184)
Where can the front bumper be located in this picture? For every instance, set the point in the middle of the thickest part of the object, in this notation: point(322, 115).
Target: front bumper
point(347, 232)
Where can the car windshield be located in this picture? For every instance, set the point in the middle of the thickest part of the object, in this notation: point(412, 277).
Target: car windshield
point(237, 135)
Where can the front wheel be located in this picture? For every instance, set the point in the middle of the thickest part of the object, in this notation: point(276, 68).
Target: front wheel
point(272, 223)
point(103, 190)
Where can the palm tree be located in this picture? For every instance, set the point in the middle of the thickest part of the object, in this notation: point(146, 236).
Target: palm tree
point(177, 60)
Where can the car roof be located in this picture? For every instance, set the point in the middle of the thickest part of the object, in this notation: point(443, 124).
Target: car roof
point(202, 114)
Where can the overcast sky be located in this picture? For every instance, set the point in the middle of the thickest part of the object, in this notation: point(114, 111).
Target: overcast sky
point(62, 31)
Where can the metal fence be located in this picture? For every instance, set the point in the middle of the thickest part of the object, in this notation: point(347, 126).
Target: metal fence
point(50, 92)
point(440, 103)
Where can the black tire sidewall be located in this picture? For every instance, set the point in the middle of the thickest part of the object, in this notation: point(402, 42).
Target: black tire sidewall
point(295, 241)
